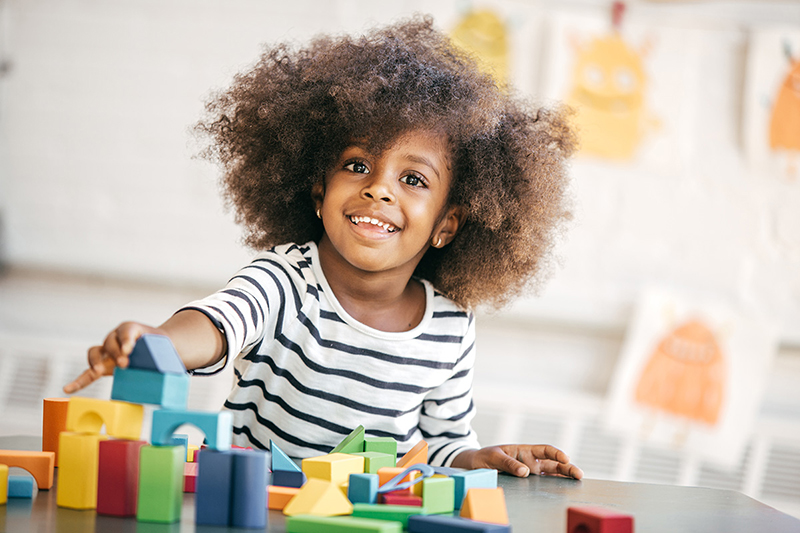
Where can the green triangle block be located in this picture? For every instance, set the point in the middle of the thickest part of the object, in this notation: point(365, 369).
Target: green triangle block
point(281, 461)
point(353, 443)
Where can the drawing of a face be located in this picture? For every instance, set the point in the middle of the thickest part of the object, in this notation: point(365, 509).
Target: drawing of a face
point(484, 34)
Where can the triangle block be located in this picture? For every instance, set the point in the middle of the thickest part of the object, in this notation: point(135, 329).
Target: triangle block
point(156, 353)
point(319, 498)
point(281, 461)
point(485, 505)
point(353, 443)
point(417, 454)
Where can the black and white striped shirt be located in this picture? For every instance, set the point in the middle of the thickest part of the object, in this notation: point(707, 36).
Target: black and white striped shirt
point(308, 373)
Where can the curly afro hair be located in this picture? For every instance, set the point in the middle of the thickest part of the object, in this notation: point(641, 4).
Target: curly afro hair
point(282, 125)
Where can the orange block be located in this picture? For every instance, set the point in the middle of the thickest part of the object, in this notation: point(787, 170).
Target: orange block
point(54, 421)
point(485, 505)
point(39, 464)
point(278, 497)
point(387, 473)
point(417, 454)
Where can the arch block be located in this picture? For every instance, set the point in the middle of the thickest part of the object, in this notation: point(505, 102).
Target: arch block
point(218, 427)
point(123, 420)
point(39, 464)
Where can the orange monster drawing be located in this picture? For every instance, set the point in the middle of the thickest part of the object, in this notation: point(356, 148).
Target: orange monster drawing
point(784, 128)
point(685, 375)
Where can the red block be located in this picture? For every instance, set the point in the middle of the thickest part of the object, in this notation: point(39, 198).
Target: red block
point(401, 498)
point(189, 477)
point(118, 477)
point(597, 520)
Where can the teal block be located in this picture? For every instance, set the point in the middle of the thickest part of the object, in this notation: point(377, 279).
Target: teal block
point(352, 443)
point(482, 478)
point(160, 484)
point(169, 391)
point(382, 445)
point(363, 488)
point(20, 487)
point(179, 439)
point(375, 460)
point(217, 427)
point(438, 495)
point(281, 461)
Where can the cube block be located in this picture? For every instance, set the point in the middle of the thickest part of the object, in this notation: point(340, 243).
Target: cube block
point(382, 445)
point(20, 487)
point(169, 391)
point(597, 520)
point(334, 467)
point(481, 478)
point(363, 488)
point(438, 495)
point(190, 477)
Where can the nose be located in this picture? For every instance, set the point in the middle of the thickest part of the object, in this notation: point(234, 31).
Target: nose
point(379, 188)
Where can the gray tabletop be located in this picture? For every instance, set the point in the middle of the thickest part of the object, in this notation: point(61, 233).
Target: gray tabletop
point(535, 504)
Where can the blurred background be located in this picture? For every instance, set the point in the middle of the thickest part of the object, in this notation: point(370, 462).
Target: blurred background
point(688, 183)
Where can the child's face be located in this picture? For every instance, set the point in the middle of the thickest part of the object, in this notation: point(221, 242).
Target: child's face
point(381, 212)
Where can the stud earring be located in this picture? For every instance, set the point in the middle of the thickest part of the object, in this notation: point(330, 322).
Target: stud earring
point(319, 215)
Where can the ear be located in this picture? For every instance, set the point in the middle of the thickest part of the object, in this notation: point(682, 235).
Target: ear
point(447, 228)
point(318, 194)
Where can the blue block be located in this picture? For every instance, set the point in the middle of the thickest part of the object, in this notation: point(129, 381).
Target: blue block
point(134, 385)
point(482, 478)
point(218, 427)
point(249, 495)
point(363, 488)
point(156, 353)
point(437, 523)
point(20, 487)
point(179, 439)
point(288, 478)
point(214, 485)
point(281, 461)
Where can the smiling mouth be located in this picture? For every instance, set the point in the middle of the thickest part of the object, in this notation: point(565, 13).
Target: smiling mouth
point(356, 220)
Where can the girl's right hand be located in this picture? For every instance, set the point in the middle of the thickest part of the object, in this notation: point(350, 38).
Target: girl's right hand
point(113, 353)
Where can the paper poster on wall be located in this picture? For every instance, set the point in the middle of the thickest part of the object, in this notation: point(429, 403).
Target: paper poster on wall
point(772, 101)
point(691, 375)
point(631, 85)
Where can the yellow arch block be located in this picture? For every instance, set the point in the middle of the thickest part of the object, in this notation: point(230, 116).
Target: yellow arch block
point(123, 420)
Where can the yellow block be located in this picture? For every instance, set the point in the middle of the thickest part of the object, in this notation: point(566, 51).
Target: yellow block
point(3, 484)
point(334, 467)
point(319, 498)
point(123, 420)
point(485, 505)
point(190, 453)
point(77, 471)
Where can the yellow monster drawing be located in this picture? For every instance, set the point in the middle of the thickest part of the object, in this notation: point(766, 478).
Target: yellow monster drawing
point(608, 89)
point(784, 129)
point(484, 34)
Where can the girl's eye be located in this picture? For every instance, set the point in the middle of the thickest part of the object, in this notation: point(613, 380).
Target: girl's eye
point(413, 180)
point(358, 167)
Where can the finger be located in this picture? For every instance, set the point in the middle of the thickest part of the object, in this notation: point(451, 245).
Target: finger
point(501, 460)
point(545, 451)
point(556, 468)
point(127, 335)
point(86, 378)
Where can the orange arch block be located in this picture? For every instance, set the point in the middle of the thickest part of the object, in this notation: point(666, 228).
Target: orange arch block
point(39, 464)
point(485, 505)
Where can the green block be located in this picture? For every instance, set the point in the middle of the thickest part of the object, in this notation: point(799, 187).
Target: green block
point(375, 460)
point(353, 443)
point(381, 444)
point(160, 484)
point(339, 524)
point(438, 494)
point(394, 513)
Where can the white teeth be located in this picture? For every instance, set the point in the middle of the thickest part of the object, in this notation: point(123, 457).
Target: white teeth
point(374, 222)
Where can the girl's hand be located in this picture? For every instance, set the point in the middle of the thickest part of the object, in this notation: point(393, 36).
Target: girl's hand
point(113, 353)
point(520, 460)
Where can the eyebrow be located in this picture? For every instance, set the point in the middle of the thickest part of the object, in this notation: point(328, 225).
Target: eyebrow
point(424, 161)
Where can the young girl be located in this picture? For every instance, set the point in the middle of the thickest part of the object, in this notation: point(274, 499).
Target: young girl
point(392, 187)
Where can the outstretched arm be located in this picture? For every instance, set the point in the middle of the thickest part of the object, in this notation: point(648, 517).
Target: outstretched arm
point(198, 342)
point(520, 460)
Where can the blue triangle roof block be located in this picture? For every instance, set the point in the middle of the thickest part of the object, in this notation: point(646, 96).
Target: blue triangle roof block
point(281, 461)
point(156, 353)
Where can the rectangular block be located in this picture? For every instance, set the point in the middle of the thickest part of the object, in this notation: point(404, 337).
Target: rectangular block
point(373, 461)
point(248, 498)
point(334, 467)
point(190, 477)
point(481, 478)
point(118, 477)
point(381, 445)
point(217, 426)
point(386, 474)
point(39, 464)
point(20, 487)
point(170, 391)
point(395, 498)
point(160, 484)
point(123, 420)
point(3, 484)
point(451, 524)
point(288, 478)
point(54, 421)
point(214, 487)
point(396, 513)
point(77, 475)
point(278, 497)
point(340, 524)
point(592, 519)
point(363, 488)
point(438, 494)
point(191, 453)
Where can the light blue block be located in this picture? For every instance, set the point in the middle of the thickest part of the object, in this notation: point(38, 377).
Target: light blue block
point(156, 353)
point(217, 427)
point(134, 385)
point(179, 439)
point(20, 487)
point(482, 478)
point(363, 488)
point(281, 461)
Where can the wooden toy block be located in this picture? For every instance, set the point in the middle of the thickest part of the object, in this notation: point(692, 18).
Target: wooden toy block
point(340, 524)
point(417, 454)
point(123, 420)
point(156, 353)
point(437, 523)
point(190, 477)
point(352, 443)
point(597, 520)
point(77, 475)
point(334, 467)
point(3, 484)
point(288, 478)
point(394, 513)
point(214, 487)
point(20, 487)
point(402, 479)
point(179, 439)
point(481, 478)
point(319, 498)
point(417, 489)
point(278, 497)
point(160, 484)
point(381, 445)
point(248, 498)
point(373, 461)
point(39, 464)
point(485, 505)
point(118, 477)
point(170, 391)
point(438, 495)
point(54, 421)
point(394, 498)
point(362, 488)
point(218, 427)
point(191, 453)
point(281, 461)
